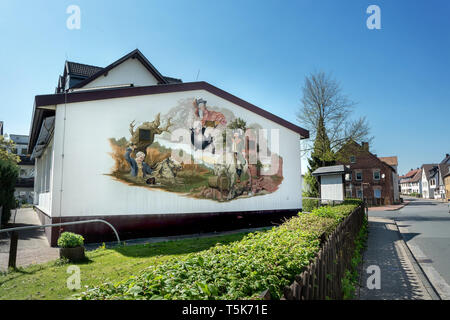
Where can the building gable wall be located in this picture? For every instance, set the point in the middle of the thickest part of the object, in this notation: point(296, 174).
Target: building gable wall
point(87, 184)
point(131, 71)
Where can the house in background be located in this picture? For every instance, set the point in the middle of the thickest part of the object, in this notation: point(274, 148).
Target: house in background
point(371, 179)
point(393, 162)
point(411, 182)
point(416, 183)
point(24, 190)
point(442, 170)
point(428, 180)
point(118, 143)
point(447, 184)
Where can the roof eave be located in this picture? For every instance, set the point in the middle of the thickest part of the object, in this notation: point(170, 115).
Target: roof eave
point(54, 99)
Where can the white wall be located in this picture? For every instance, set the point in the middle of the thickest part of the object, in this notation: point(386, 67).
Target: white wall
point(425, 186)
point(88, 190)
point(130, 71)
point(331, 187)
point(43, 184)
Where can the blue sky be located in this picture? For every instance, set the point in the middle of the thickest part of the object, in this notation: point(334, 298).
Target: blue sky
point(257, 50)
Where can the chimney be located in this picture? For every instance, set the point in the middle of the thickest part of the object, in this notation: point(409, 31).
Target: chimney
point(365, 146)
point(446, 155)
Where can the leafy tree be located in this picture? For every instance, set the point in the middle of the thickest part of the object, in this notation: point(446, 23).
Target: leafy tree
point(9, 171)
point(326, 113)
point(7, 147)
point(237, 123)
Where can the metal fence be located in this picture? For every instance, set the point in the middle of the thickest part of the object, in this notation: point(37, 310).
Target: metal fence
point(14, 235)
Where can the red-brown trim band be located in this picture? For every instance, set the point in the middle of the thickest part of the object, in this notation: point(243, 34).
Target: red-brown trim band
point(54, 99)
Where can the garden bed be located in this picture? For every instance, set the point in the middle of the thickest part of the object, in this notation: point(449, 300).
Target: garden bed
point(240, 270)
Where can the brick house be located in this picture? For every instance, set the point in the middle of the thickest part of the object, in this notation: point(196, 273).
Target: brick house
point(371, 178)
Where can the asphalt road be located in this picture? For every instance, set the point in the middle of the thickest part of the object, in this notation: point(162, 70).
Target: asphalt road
point(425, 226)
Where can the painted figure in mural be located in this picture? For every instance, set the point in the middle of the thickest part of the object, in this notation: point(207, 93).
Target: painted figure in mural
point(139, 168)
point(222, 172)
point(208, 118)
point(207, 126)
point(198, 138)
point(238, 150)
point(144, 135)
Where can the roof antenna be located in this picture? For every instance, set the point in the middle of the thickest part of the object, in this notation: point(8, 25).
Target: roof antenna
point(198, 73)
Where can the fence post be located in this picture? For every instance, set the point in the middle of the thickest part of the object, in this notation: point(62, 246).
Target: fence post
point(13, 249)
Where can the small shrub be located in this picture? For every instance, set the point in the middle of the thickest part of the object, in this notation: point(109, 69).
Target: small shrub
point(61, 262)
point(70, 240)
point(309, 205)
point(351, 277)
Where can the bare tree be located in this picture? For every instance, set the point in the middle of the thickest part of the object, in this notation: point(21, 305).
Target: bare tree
point(326, 109)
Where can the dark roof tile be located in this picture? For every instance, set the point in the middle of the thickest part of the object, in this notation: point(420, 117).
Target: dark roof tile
point(80, 69)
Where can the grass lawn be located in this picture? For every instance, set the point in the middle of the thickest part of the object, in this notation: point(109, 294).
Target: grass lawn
point(48, 281)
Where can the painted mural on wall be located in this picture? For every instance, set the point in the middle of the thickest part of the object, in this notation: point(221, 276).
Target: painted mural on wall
point(197, 150)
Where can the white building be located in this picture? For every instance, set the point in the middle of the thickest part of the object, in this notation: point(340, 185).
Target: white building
point(143, 151)
point(428, 180)
point(411, 183)
point(24, 190)
point(442, 169)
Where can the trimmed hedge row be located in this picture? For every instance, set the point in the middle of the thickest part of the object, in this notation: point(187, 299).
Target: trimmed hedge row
point(240, 270)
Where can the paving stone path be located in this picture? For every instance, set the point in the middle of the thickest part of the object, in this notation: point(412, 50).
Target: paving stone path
point(32, 247)
point(401, 277)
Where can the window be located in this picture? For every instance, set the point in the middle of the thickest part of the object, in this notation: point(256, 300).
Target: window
point(432, 182)
point(359, 193)
point(45, 169)
point(348, 193)
point(352, 159)
point(359, 175)
point(376, 175)
point(377, 193)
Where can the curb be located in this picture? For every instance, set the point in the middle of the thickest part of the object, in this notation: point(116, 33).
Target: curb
point(396, 209)
point(424, 272)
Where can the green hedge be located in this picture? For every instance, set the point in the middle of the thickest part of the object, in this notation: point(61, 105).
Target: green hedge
point(354, 201)
point(337, 212)
point(8, 175)
point(240, 270)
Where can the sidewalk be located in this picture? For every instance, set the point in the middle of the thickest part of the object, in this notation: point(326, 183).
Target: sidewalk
point(391, 207)
point(401, 277)
point(32, 247)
